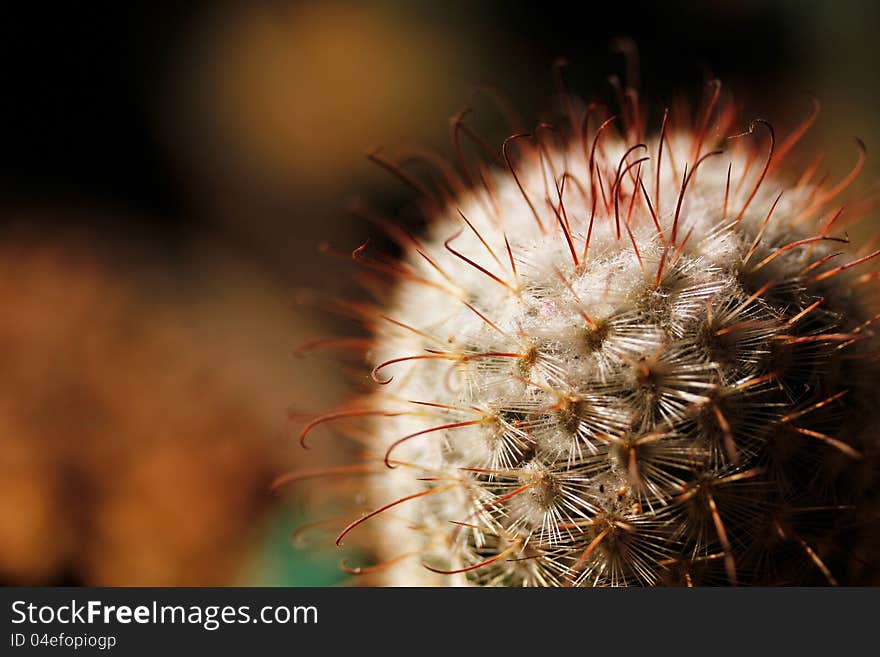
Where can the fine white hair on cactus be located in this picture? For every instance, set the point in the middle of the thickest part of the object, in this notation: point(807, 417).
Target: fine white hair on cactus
point(621, 360)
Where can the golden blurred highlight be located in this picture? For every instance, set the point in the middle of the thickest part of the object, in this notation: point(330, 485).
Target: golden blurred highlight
point(292, 94)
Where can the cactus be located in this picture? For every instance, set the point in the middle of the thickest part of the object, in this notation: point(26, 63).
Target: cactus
point(622, 360)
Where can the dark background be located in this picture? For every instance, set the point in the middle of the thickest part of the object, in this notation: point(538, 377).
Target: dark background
point(89, 116)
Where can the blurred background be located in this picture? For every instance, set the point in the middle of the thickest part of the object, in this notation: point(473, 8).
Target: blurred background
point(167, 172)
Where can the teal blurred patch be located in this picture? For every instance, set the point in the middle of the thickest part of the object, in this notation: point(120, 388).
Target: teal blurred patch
point(276, 561)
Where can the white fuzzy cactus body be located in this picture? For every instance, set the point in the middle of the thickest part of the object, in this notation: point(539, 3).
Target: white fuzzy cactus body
point(625, 371)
